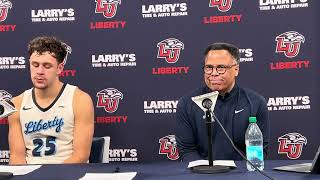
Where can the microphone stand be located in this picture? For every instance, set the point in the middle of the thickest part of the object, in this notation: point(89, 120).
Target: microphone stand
point(210, 169)
point(5, 175)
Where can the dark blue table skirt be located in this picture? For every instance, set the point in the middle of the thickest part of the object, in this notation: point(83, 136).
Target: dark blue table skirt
point(161, 170)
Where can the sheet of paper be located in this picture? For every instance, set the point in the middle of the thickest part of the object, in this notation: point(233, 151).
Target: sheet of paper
point(229, 163)
point(109, 176)
point(19, 170)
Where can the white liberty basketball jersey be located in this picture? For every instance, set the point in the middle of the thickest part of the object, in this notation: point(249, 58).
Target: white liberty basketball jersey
point(48, 132)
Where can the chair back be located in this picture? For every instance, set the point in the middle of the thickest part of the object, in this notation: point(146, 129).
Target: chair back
point(100, 150)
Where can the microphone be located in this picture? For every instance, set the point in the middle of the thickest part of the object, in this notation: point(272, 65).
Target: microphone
point(204, 99)
point(1, 109)
point(6, 106)
point(207, 104)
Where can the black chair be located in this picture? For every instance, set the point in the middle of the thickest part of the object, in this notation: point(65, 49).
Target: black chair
point(99, 150)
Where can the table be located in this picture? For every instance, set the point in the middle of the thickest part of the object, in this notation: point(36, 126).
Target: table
point(166, 170)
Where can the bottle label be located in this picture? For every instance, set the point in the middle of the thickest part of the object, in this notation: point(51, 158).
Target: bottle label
point(254, 152)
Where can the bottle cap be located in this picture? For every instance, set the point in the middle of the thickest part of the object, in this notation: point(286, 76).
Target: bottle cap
point(252, 119)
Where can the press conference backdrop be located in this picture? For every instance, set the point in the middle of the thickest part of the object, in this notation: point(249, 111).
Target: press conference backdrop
point(137, 58)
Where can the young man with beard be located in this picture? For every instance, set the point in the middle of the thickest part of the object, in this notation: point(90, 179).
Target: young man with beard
point(54, 122)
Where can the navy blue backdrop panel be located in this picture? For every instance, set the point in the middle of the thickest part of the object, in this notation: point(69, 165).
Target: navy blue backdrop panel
point(137, 58)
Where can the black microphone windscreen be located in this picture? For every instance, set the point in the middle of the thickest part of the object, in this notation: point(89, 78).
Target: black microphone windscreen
point(1, 109)
point(207, 103)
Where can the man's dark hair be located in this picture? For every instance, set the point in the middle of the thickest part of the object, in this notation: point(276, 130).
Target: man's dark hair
point(232, 49)
point(48, 44)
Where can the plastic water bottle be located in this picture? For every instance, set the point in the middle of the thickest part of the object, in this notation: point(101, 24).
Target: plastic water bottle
point(254, 145)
